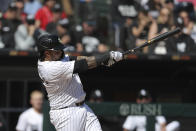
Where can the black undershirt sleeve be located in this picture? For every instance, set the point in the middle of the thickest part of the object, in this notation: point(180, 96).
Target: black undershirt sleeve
point(80, 66)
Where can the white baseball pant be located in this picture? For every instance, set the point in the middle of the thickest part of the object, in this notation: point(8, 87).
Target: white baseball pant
point(75, 118)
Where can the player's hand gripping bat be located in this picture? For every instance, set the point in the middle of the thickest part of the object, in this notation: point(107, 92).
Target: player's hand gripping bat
point(153, 40)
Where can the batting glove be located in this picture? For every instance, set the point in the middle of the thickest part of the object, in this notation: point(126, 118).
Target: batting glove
point(115, 56)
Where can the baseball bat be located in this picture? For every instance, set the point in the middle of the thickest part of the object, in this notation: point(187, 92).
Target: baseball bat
point(153, 40)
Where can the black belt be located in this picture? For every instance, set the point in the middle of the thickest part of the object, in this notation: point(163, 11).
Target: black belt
point(80, 103)
point(77, 104)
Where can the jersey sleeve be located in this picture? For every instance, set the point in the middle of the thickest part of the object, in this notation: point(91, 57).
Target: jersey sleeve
point(129, 123)
point(22, 123)
point(161, 120)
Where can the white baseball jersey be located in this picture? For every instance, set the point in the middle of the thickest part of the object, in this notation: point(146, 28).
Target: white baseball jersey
point(30, 120)
point(65, 89)
point(139, 123)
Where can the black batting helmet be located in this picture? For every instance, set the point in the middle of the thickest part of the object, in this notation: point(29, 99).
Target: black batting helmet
point(49, 42)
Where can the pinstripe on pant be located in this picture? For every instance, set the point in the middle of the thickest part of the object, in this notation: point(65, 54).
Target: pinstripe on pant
point(74, 118)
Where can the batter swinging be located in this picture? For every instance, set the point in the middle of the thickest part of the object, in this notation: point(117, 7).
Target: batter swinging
point(59, 74)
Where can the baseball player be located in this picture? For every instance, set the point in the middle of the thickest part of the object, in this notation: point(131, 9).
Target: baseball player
point(32, 119)
point(59, 73)
point(138, 123)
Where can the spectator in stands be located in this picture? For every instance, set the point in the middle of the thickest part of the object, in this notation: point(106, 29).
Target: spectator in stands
point(126, 36)
point(68, 7)
point(154, 7)
point(32, 6)
point(169, 4)
point(190, 1)
point(66, 41)
point(24, 35)
point(124, 9)
point(141, 28)
point(189, 26)
point(180, 43)
point(138, 123)
point(9, 26)
point(32, 119)
point(121, 12)
point(88, 39)
point(44, 14)
point(163, 24)
point(52, 26)
point(86, 8)
point(10, 16)
point(20, 8)
point(62, 27)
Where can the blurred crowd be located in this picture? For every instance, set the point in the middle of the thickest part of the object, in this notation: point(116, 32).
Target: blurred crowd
point(128, 24)
point(146, 19)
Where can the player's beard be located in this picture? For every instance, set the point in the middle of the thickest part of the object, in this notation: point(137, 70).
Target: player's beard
point(62, 56)
point(57, 57)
